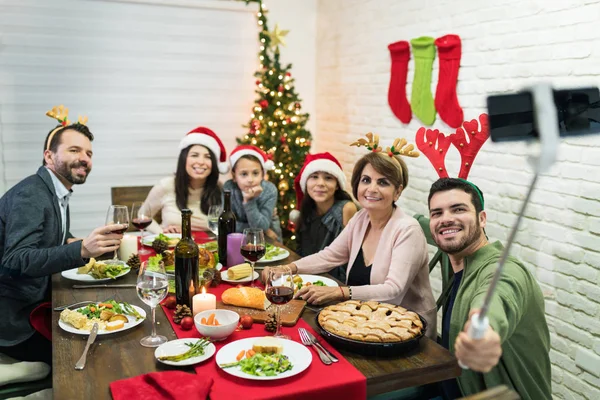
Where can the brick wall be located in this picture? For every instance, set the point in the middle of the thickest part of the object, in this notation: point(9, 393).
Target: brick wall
point(507, 44)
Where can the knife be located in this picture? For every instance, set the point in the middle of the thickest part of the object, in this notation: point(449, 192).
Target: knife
point(121, 285)
point(81, 363)
point(75, 305)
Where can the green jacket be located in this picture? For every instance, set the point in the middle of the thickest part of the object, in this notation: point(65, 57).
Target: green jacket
point(516, 313)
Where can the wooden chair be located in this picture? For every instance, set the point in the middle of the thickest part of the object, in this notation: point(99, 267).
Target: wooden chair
point(127, 195)
point(498, 393)
point(439, 257)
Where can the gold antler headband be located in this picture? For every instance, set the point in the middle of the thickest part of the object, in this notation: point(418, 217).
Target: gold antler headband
point(399, 147)
point(61, 114)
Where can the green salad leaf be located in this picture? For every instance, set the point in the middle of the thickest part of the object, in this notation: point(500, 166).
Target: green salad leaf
point(262, 364)
point(273, 251)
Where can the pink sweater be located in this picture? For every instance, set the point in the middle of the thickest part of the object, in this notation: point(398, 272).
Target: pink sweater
point(400, 271)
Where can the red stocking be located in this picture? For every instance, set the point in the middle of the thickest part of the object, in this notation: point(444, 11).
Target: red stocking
point(446, 101)
point(400, 53)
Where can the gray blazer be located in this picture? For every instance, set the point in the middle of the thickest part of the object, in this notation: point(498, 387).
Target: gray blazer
point(30, 252)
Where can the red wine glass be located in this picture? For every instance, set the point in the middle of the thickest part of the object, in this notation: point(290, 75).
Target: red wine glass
point(253, 248)
point(140, 218)
point(279, 290)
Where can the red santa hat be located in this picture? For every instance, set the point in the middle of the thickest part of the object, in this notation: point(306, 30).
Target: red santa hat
point(207, 138)
point(323, 162)
point(247, 150)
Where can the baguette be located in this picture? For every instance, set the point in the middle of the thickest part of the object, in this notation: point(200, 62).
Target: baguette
point(246, 297)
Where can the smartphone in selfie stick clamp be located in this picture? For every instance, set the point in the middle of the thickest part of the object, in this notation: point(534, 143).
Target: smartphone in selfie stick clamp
point(547, 126)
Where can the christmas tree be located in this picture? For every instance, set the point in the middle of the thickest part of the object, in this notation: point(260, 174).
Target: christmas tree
point(277, 124)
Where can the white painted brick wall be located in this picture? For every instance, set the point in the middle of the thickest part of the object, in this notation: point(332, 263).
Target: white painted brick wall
point(507, 44)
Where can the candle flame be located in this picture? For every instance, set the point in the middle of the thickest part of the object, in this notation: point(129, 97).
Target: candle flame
point(203, 290)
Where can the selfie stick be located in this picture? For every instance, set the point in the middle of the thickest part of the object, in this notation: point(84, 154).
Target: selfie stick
point(546, 123)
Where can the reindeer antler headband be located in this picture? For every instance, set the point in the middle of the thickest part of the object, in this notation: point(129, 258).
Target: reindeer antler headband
point(400, 147)
point(61, 114)
point(434, 144)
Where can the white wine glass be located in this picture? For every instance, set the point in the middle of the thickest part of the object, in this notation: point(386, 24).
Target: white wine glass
point(213, 218)
point(152, 287)
point(117, 215)
point(141, 219)
point(279, 289)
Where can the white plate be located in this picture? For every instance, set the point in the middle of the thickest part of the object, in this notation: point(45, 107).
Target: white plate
point(147, 241)
point(280, 257)
point(178, 346)
point(246, 279)
point(73, 275)
point(314, 278)
point(128, 325)
point(298, 354)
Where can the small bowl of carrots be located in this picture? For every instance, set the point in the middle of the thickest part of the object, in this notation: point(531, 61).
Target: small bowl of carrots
point(216, 324)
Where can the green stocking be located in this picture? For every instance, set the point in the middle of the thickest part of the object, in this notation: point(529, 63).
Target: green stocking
point(421, 100)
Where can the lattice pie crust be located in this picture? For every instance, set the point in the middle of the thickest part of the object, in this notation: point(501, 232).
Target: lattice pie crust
point(370, 321)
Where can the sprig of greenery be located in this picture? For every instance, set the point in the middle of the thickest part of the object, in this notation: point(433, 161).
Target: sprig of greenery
point(196, 350)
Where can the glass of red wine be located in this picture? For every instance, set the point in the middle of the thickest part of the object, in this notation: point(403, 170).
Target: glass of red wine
point(253, 248)
point(279, 290)
point(140, 218)
point(117, 215)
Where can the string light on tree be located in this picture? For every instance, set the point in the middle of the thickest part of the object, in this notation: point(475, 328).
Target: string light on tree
point(277, 126)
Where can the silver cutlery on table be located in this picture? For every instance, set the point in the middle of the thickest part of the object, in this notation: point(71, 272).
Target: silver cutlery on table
point(314, 340)
point(122, 285)
point(81, 362)
point(75, 305)
point(307, 342)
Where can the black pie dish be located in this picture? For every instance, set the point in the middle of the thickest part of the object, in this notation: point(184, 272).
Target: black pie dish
point(371, 348)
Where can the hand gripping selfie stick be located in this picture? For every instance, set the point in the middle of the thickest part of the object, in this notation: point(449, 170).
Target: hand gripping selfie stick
point(546, 122)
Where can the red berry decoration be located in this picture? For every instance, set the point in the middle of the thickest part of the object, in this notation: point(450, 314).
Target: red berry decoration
point(258, 81)
point(187, 323)
point(280, 88)
point(246, 321)
point(288, 74)
point(170, 302)
point(288, 120)
point(283, 139)
point(297, 105)
point(263, 104)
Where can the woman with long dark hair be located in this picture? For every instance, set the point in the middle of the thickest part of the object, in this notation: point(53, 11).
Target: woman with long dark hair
point(195, 184)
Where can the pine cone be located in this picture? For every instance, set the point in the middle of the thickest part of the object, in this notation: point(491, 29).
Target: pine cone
point(271, 322)
point(181, 311)
point(216, 279)
point(160, 245)
point(134, 262)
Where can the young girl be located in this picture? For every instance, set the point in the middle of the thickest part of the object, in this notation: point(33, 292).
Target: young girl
point(195, 184)
point(253, 199)
point(326, 208)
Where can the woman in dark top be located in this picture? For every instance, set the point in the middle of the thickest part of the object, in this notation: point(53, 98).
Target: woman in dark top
point(326, 208)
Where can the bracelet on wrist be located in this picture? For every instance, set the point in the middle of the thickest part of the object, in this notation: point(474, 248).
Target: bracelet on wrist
point(343, 295)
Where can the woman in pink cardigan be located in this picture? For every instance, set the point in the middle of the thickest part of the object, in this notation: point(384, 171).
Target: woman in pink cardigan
point(385, 249)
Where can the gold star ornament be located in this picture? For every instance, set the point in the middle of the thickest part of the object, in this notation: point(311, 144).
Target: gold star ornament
point(277, 36)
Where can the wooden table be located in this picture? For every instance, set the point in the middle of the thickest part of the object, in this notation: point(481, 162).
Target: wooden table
point(120, 355)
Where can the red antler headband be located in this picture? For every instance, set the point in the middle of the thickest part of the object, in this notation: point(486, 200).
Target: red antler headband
point(434, 144)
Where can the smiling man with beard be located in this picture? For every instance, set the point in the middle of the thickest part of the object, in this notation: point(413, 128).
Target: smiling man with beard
point(515, 349)
point(35, 241)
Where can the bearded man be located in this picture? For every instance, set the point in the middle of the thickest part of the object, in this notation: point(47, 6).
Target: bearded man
point(515, 349)
point(35, 241)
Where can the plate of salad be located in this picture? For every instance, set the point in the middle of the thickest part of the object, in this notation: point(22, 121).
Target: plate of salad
point(316, 280)
point(292, 359)
point(97, 271)
point(274, 253)
point(182, 352)
point(171, 238)
point(111, 317)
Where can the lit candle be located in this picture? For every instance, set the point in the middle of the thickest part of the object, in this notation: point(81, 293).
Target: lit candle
point(203, 301)
point(129, 246)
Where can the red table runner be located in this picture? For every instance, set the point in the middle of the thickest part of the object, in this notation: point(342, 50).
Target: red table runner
point(337, 381)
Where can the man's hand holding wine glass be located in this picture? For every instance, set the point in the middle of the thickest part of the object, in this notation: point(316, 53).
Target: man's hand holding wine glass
point(102, 240)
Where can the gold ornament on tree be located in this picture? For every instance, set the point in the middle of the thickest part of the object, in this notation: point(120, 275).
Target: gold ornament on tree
point(283, 186)
point(277, 36)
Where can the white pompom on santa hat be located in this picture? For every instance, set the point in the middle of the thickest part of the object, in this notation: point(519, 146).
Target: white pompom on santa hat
point(319, 162)
point(207, 138)
point(248, 150)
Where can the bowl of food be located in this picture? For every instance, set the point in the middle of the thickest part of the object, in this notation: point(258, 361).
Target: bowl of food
point(216, 324)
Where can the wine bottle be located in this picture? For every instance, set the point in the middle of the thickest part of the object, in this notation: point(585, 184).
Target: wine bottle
point(187, 282)
point(226, 226)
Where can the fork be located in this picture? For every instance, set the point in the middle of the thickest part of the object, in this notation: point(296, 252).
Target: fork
point(307, 342)
point(314, 341)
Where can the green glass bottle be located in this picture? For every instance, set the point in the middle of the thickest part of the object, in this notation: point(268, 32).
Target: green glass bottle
point(187, 282)
point(226, 226)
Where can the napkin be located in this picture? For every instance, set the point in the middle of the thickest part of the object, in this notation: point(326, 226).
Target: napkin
point(41, 319)
point(171, 385)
